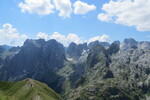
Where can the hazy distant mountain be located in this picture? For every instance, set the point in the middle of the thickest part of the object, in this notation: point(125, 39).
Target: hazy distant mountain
point(94, 71)
point(7, 51)
point(6, 47)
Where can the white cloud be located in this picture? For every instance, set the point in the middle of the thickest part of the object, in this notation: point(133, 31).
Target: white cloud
point(103, 38)
point(64, 7)
point(24, 36)
point(10, 36)
point(40, 7)
point(83, 8)
point(42, 35)
point(66, 40)
point(104, 17)
point(127, 12)
point(45, 7)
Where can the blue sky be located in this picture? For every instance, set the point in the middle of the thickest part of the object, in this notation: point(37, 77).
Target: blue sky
point(85, 26)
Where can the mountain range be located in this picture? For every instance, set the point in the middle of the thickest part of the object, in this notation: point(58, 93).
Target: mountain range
point(94, 71)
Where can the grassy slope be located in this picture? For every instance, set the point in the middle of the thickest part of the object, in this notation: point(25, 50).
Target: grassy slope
point(26, 90)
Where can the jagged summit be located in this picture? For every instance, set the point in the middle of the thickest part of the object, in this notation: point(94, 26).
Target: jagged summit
point(75, 51)
point(128, 43)
point(144, 45)
point(104, 44)
point(114, 48)
point(32, 42)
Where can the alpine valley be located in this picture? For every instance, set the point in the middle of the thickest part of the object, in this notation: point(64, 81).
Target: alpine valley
point(46, 70)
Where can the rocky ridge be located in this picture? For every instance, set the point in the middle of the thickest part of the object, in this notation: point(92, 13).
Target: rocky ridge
point(95, 71)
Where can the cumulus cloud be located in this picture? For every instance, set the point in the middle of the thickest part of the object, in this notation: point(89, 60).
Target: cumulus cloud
point(64, 7)
point(40, 7)
point(127, 12)
point(45, 7)
point(66, 40)
point(24, 36)
point(10, 36)
point(104, 17)
point(42, 35)
point(83, 8)
point(103, 38)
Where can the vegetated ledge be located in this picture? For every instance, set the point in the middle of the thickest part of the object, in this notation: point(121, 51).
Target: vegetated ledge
point(27, 89)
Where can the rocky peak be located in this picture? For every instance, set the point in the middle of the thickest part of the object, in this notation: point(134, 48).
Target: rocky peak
point(54, 45)
point(144, 45)
point(72, 44)
point(104, 44)
point(116, 43)
point(52, 42)
point(114, 48)
point(98, 54)
point(31, 42)
point(36, 59)
point(75, 51)
point(130, 40)
point(129, 44)
point(92, 44)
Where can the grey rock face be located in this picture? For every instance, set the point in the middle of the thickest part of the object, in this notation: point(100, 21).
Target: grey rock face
point(75, 51)
point(132, 44)
point(144, 45)
point(114, 48)
point(38, 59)
point(120, 71)
point(5, 52)
point(129, 44)
point(126, 73)
point(104, 44)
